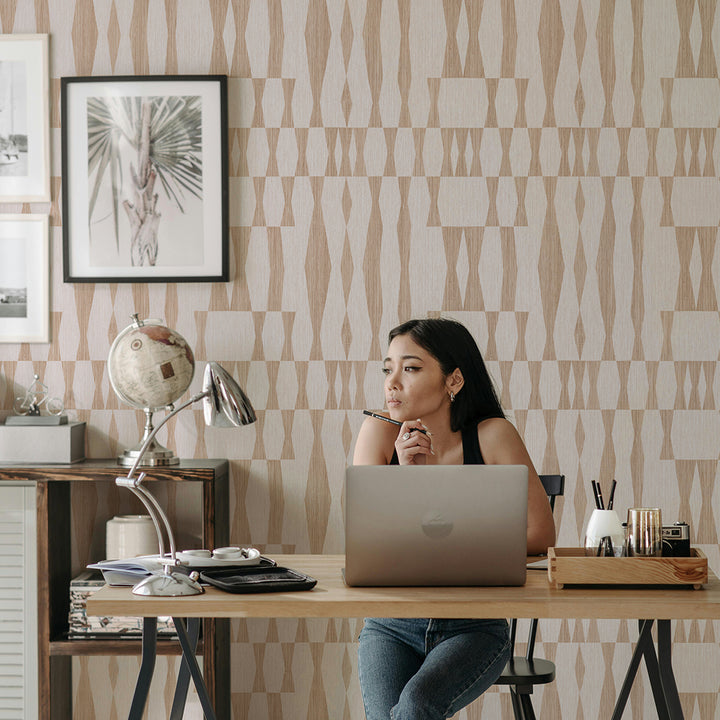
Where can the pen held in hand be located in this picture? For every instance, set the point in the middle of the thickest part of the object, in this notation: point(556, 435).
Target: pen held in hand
point(391, 421)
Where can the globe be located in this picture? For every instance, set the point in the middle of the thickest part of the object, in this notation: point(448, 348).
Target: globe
point(150, 366)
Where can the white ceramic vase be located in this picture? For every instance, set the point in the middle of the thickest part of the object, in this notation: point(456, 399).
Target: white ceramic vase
point(128, 536)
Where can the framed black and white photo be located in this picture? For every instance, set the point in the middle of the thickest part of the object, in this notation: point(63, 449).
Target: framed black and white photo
point(24, 119)
point(24, 279)
point(144, 178)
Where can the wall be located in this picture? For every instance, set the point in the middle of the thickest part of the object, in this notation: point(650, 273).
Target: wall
point(545, 171)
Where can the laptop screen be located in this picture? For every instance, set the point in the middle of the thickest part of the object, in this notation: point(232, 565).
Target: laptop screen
point(435, 525)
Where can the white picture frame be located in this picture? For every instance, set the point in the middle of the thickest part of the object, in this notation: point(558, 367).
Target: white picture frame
point(24, 278)
point(25, 127)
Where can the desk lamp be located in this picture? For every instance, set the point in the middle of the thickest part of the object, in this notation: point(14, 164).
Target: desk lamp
point(224, 405)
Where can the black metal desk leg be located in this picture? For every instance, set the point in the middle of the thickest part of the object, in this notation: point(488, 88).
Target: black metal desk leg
point(653, 671)
point(190, 659)
point(667, 676)
point(644, 640)
point(147, 666)
point(183, 680)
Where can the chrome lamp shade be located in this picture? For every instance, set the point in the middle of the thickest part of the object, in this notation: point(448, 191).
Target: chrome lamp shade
point(224, 405)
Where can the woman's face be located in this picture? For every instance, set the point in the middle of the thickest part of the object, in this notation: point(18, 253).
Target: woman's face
point(415, 386)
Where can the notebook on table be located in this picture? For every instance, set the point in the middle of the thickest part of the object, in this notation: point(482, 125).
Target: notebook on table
point(441, 525)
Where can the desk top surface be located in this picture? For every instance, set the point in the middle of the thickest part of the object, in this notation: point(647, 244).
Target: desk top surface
point(332, 598)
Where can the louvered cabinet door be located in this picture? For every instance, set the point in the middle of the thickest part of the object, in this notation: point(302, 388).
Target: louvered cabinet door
point(18, 603)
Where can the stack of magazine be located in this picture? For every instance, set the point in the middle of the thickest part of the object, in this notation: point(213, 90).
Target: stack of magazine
point(84, 626)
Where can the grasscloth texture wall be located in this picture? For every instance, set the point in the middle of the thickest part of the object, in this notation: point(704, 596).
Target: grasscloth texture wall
point(543, 170)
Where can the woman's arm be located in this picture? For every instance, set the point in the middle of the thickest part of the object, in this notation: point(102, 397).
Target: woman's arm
point(501, 444)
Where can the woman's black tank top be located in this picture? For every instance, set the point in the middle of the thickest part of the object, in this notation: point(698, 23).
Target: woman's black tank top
point(471, 448)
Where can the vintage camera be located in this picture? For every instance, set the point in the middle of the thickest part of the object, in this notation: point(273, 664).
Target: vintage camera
point(676, 540)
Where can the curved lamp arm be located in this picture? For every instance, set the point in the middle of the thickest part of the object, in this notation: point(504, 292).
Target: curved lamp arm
point(147, 499)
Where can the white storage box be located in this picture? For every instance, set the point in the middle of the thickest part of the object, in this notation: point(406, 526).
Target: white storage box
point(42, 443)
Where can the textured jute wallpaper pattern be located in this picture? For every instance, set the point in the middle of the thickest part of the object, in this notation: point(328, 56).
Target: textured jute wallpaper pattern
point(543, 170)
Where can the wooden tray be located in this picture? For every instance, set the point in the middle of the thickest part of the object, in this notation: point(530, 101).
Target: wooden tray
point(570, 566)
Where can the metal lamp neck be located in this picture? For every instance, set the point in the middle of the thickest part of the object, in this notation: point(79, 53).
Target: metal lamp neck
point(154, 431)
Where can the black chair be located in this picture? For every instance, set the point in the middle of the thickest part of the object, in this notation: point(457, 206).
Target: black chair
point(522, 673)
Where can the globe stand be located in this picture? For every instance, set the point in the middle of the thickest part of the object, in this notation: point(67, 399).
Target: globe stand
point(154, 455)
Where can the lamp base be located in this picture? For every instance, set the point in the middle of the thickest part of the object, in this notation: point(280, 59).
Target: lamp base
point(155, 455)
point(170, 584)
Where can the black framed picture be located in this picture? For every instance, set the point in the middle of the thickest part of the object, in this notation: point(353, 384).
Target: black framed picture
point(145, 178)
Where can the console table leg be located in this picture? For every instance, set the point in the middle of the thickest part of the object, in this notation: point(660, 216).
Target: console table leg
point(183, 680)
point(147, 666)
point(190, 659)
point(672, 699)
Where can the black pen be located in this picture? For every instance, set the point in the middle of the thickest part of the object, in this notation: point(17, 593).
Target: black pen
point(391, 421)
point(600, 500)
point(612, 494)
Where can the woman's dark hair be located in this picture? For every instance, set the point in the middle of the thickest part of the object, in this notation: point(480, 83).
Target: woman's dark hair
point(452, 345)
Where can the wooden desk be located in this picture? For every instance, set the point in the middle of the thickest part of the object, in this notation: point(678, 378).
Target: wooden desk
point(537, 598)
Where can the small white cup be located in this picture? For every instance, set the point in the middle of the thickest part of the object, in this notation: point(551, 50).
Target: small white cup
point(228, 553)
point(199, 553)
point(602, 524)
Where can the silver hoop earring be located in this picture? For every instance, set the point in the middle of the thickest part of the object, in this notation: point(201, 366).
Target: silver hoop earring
point(452, 396)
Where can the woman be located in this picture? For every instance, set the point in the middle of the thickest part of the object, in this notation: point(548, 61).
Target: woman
point(436, 381)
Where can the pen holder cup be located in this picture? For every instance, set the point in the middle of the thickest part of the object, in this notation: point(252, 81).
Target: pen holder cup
point(604, 534)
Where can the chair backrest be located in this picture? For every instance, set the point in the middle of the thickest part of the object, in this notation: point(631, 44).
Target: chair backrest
point(554, 486)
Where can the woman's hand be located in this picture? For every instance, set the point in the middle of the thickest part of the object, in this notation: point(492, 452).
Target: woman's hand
point(412, 445)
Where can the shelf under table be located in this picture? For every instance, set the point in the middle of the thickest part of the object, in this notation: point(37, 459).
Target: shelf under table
point(78, 647)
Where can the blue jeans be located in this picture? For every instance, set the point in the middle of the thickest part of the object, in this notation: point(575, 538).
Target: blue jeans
point(419, 669)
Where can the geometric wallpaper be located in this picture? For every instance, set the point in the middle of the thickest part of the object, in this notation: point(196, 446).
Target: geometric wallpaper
point(545, 171)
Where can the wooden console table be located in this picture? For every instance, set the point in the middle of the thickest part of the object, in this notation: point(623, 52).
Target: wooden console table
point(55, 650)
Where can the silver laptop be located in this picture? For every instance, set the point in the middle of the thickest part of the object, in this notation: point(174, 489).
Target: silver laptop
point(435, 525)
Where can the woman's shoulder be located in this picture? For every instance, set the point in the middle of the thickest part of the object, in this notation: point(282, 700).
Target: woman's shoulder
point(500, 442)
point(375, 442)
point(495, 429)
